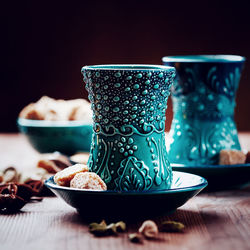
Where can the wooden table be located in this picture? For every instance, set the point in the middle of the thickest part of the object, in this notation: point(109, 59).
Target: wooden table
point(219, 220)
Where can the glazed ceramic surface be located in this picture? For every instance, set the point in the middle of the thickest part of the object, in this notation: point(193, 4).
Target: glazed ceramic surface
point(128, 148)
point(66, 137)
point(220, 177)
point(131, 204)
point(203, 98)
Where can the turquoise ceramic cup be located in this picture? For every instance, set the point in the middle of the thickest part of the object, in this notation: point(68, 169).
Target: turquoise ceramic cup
point(203, 98)
point(128, 148)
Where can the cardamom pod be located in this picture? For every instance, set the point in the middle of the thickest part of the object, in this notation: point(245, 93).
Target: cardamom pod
point(120, 226)
point(149, 229)
point(97, 229)
point(172, 226)
point(135, 238)
point(111, 229)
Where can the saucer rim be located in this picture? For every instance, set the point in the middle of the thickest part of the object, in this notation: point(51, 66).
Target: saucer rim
point(51, 185)
point(217, 166)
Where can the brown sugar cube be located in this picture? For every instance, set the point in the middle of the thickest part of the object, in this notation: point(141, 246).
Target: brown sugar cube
point(231, 157)
point(89, 181)
point(31, 112)
point(80, 109)
point(48, 165)
point(64, 177)
point(80, 158)
point(247, 157)
point(54, 162)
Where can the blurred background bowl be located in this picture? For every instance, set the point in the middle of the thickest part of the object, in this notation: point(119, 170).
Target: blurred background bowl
point(67, 137)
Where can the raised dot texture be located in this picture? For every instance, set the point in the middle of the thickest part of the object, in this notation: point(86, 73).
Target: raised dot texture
point(118, 74)
point(130, 140)
point(160, 75)
point(116, 109)
point(136, 86)
point(116, 98)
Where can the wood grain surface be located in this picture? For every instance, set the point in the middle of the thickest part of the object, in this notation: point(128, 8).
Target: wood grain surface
point(219, 220)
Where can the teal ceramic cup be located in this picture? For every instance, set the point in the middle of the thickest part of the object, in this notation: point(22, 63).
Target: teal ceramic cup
point(203, 98)
point(128, 149)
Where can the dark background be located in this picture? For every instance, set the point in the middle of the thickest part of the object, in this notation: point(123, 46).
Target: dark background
point(45, 44)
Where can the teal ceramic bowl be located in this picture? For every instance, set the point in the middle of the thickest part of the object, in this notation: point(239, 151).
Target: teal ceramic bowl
point(67, 137)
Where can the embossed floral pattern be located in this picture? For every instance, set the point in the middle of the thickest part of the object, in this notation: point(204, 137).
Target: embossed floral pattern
point(203, 104)
point(129, 106)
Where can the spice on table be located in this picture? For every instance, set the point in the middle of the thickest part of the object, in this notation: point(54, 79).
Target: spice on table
point(36, 185)
point(172, 226)
point(111, 229)
point(10, 202)
point(102, 229)
point(135, 237)
point(54, 162)
point(10, 174)
point(149, 229)
point(120, 226)
point(13, 196)
point(98, 229)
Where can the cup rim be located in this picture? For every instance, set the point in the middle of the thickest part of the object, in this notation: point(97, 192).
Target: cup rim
point(47, 124)
point(219, 58)
point(128, 67)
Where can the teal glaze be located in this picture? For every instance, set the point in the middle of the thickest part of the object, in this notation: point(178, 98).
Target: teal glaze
point(131, 204)
point(128, 146)
point(215, 175)
point(66, 137)
point(203, 98)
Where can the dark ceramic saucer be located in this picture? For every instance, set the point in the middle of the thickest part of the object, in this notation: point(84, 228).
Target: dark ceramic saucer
point(220, 177)
point(106, 204)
